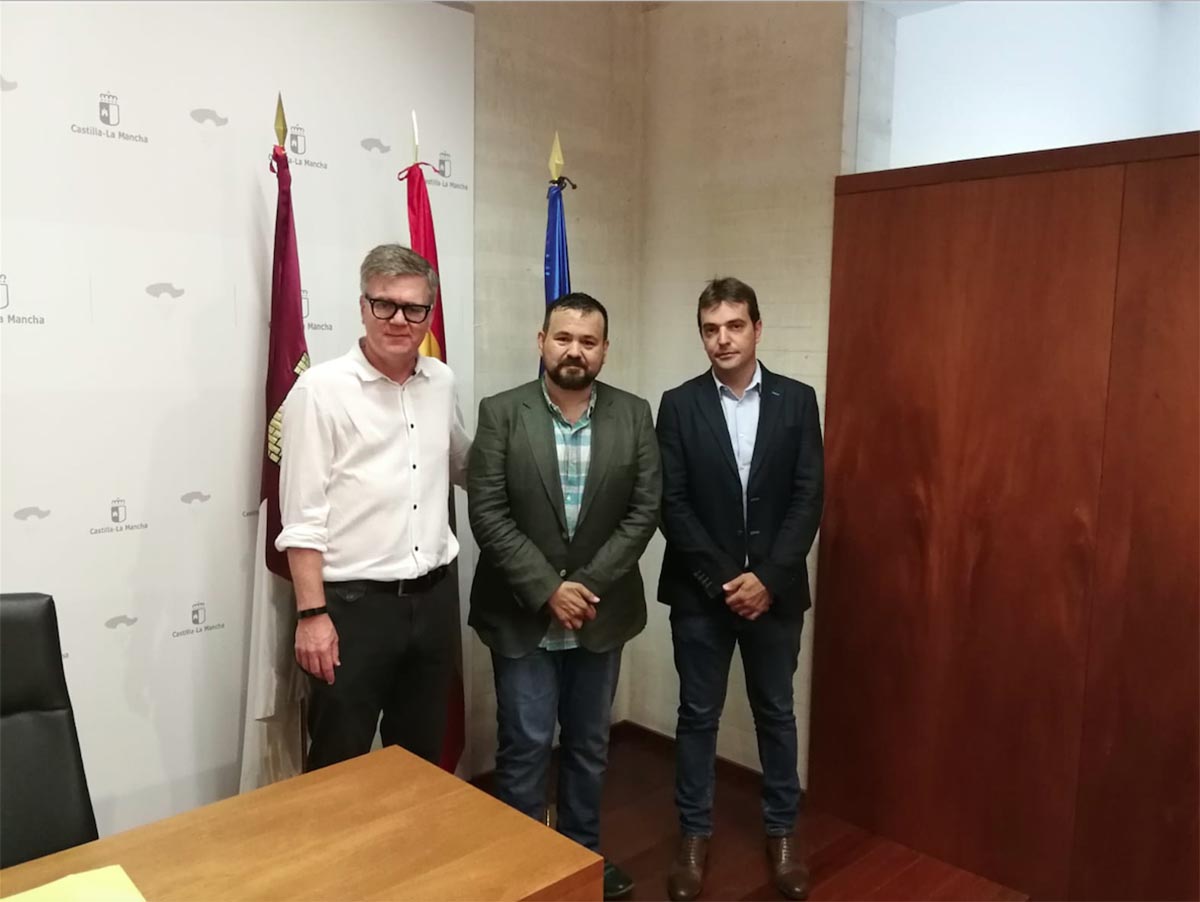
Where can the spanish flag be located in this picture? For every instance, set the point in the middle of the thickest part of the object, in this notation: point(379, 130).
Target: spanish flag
point(422, 240)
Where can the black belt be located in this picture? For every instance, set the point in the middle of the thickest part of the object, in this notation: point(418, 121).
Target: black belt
point(406, 586)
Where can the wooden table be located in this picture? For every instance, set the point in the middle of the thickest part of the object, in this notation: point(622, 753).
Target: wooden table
point(383, 826)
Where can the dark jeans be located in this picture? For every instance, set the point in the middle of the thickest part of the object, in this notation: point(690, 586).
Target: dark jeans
point(396, 659)
point(703, 650)
point(576, 687)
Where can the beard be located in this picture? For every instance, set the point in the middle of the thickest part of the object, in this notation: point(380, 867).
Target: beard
point(571, 374)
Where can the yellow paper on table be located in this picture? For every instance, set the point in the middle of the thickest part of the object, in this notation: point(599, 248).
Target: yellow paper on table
point(110, 884)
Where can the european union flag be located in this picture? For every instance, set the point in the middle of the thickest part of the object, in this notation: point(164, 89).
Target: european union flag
point(558, 269)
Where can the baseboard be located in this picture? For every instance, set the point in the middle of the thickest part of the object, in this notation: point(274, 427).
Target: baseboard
point(627, 730)
point(631, 729)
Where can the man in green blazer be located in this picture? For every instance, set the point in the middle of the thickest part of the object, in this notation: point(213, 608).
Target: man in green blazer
point(564, 490)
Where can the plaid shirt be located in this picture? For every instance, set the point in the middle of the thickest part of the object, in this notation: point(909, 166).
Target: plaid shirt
point(573, 441)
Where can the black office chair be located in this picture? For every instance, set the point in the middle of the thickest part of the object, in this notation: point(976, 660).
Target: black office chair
point(44, 800)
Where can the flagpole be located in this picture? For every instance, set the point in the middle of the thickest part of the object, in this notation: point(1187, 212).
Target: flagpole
point(557, 270)
point(273, 741)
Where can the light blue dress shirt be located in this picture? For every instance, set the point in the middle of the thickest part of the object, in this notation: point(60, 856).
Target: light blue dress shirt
point(741, 418)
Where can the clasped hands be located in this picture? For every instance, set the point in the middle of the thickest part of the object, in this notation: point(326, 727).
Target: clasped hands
point(573, 604)
point(746, 596)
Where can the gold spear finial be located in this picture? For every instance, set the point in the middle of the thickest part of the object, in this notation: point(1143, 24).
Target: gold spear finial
point(556, 159)
point(281, 128)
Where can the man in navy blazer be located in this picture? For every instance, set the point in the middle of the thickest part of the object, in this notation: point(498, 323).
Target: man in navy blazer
point(742, 492)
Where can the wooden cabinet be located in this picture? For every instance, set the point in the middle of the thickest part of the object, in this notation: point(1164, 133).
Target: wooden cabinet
point(1005, 667)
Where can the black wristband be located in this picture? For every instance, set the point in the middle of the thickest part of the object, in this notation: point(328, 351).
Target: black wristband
point(312, 612)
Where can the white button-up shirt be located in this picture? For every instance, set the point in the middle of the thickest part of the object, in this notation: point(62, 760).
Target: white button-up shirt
point(367, 465)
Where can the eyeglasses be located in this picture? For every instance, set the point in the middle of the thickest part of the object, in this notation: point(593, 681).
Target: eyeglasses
point(384, 309)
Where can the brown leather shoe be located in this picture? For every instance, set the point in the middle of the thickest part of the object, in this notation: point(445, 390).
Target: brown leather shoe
point(789, 870)
point(687, 870)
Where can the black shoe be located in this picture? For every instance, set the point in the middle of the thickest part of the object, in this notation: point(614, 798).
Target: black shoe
point(617, 884)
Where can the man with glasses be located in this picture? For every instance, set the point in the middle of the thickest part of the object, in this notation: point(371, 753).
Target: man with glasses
point(371, 442)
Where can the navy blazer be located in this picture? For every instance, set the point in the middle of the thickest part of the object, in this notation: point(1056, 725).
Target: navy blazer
point(708, 540)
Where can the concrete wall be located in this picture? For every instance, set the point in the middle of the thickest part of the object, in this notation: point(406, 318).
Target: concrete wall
point(743, 141)
point(539, 67)
point(705, 139)
point(870, 70)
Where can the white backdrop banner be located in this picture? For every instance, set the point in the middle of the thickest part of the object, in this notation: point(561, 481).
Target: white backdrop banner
point(136, 221)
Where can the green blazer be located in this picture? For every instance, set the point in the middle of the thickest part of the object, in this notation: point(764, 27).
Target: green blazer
point(516, 509)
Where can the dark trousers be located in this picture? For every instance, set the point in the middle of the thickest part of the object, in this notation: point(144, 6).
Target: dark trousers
point(770, 648)
point(576, 688)
point(396, 659)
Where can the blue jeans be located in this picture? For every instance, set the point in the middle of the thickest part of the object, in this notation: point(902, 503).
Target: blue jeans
point(576, 688)
point(703, 650)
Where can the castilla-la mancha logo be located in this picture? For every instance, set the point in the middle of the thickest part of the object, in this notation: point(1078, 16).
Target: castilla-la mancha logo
point(311, 325)
point(118, 515)
point(18, 319)
point(200, 624)
point(445, 174)
point(109, 113)
point(110, 110)
point(298, 149)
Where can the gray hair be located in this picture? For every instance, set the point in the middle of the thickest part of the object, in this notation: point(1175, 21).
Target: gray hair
point(397, 260)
